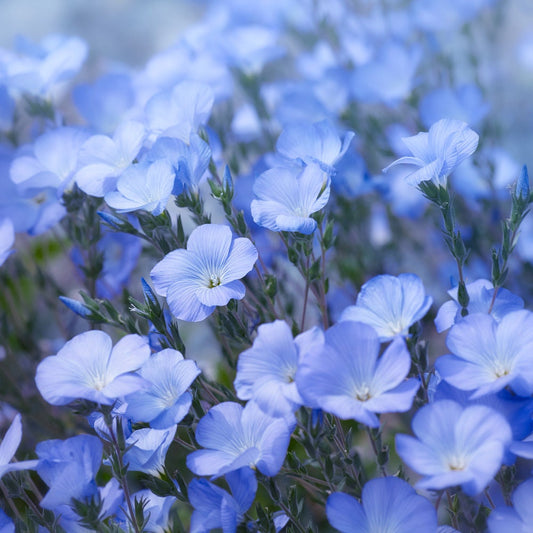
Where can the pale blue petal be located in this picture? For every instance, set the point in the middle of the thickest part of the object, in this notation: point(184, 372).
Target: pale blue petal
point(222, 294)
point(346, 514)
point(11, 440)
point(241, 259)
point(184, 303)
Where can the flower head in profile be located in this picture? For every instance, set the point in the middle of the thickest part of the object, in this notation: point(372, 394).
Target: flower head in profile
point(390, 304)
point(206, 274)
point(9, 446)
point(89, 367)
point(216, 508)
point(455, 445)
point(388, 504)
point(436, 153)
point(7, 238)
point(285, 198)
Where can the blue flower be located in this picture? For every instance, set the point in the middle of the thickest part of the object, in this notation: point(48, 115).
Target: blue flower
point(189, 161)
point(286, 197)
point(388, 504)
point(266, 371)
point(345, 376)
point(488, 356)
point(147, 449)
point(7, 238)
point(316, 143)
point(391, 305)
point(146, 186)
point(439, 151)
point(236, 437)
point(156, 511)
point(481, 294)
point(517, 518)
point(180, 111)
point(455, 445)
point(89, 367)
point(68, 468)
point(166, 400)
point(103, 159)
point(206, 274)
point(9, 446)
point(216, 508)
point(50, 162)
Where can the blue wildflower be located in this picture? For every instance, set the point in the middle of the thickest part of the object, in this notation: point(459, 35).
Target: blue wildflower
point(316, 143)
point(488, 356)
point(206, 274)
point(286, 197)
point(216, 508)
point(391, 305)
point(455, 445)
point(237, 436)
point(166, 400)
point(102, 159)
point(439, 151)
point(388, 504)
point(68, 468)
point(156, 511)
point(9, 446)
point(51, 161)
point(7, 238)
point(481, 295)
point(145, 186)
point(345, 377)
point(147, 449)
point(189, 160)
point(180, 111)
point(517, 518)
point(89, 367)
point(266, 371)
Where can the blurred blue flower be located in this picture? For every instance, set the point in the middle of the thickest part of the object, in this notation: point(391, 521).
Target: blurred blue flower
point(237, 436)
point(50, 162)
point(9, 446)
point(102, 159)
point(346, 377)
point(156, 511)
point(481, 294)
point(7, 238)
point(68, 468)
point(216, 508)
point(317, 143)
point(455, 445)
point(89, 367)
point(286, 197)
point(104, 102)
point(464, 103)
point(206, 274)
point(166, 400)
point(179, 112)
point(391, 305)
point(488, 356)
point(439, 151)
point(517, 518)
point(388, 504)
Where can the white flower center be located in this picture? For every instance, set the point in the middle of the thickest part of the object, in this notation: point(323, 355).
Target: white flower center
point(363, 392)
point(214, 281)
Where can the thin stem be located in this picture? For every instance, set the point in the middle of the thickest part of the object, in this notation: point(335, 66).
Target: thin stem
point(9, 501)
point(452, 514)
point(306, 294)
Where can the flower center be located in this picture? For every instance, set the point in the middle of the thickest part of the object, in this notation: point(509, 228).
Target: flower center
point(363, 393)
point(501, 370)
point(456, 463)
point(214, 281)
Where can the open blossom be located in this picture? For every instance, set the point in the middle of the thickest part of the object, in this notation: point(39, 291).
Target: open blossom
point(455, 445)
point(206, 274)
point(488, 356)
point(345, 376)
point(388, 505)
point(285, 198)
point(89, 367)
point(436, 153)
point(391, 305)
